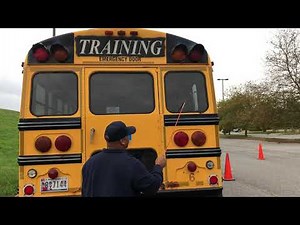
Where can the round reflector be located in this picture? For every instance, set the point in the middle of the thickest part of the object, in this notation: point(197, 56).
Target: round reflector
point(28, 189)
point(181, 139)
point(191, 167)
point(43, 144)
point(213, 180)
point(63, 143)
point(196, 53)
point(40, 53)
point(179, 53)
point(210, 164)
point(32, 173)
point(198, 138)
point(53, 173)
point(59, 52)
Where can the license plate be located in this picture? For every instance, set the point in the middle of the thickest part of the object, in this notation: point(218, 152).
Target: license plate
point(54, 185)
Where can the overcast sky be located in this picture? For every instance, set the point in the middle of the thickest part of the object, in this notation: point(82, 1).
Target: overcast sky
point(238, 55)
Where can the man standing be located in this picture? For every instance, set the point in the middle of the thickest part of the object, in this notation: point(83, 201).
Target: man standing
point(114, 173)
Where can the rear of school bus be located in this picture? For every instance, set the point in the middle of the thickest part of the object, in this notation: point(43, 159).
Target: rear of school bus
point(76, 84)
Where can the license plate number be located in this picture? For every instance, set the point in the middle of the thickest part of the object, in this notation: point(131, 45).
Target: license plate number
point(54, 185)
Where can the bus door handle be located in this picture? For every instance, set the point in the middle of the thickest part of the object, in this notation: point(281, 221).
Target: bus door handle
point(92, 134)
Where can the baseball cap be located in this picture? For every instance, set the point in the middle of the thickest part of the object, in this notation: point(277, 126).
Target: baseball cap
point(117, 130)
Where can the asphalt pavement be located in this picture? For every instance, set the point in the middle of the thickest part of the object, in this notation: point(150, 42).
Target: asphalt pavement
point(271, 135)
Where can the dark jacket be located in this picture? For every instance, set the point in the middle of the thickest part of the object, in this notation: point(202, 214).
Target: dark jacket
point(113, 172)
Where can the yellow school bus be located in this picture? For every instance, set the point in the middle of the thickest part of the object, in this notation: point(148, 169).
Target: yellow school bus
point(75, 84)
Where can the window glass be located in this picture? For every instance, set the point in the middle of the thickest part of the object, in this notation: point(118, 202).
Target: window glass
point(121, 93)
point(54, 94)
point(185, 89)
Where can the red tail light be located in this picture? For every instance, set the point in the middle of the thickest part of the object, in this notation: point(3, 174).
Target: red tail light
point(28, 190)
point(198, 138)
point(191, 167)
point(213, 180)
point(196, 53)
point(53, 173)
point(63, 143)
point(179, 53)
point(40, 53)
point(43, 144)
point(181, 139)
point(59, 52)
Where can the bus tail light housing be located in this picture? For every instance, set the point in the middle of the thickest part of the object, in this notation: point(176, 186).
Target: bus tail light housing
point(40, 52)
point(28, 190)
point(198, 138)
point(59, 53)
point(181, 139)
point(196, 53)
point(179, 53)
point(43, 144)
point(63, 143)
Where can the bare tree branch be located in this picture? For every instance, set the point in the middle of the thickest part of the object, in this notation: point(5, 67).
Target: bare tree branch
point(283, 60)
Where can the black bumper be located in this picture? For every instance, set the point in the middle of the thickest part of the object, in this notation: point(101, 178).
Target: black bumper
point(200, 192)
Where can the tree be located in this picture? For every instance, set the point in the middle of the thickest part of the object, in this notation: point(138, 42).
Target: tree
point(236, 111)
point(283, 61)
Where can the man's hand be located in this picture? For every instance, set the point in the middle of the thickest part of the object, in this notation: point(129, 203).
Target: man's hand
point(161, 160)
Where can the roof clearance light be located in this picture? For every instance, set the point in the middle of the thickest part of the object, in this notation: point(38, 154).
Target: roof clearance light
point(196, 53)
point(198, 138)
point(40, 52)
point(179, 53)
point(59, 52)
point(134, 33)
point(63, 143)
point(43, 144)
point(181, 139)
point(121, 32)
point(109, 32)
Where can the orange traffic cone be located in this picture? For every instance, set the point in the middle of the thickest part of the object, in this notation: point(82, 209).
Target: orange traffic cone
point(260, 152)
point(227, 174)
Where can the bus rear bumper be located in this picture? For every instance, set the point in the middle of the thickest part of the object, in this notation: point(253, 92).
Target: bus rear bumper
point(199, 192)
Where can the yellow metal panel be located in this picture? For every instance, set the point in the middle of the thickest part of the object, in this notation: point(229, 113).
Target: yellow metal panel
point(71, 171)
point(177, 172)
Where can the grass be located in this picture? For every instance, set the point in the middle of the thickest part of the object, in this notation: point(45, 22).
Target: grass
point(9, 145)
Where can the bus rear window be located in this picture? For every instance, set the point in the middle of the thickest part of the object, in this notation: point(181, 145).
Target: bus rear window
point(121, 93)
point(54, 94)
point(186, 88)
